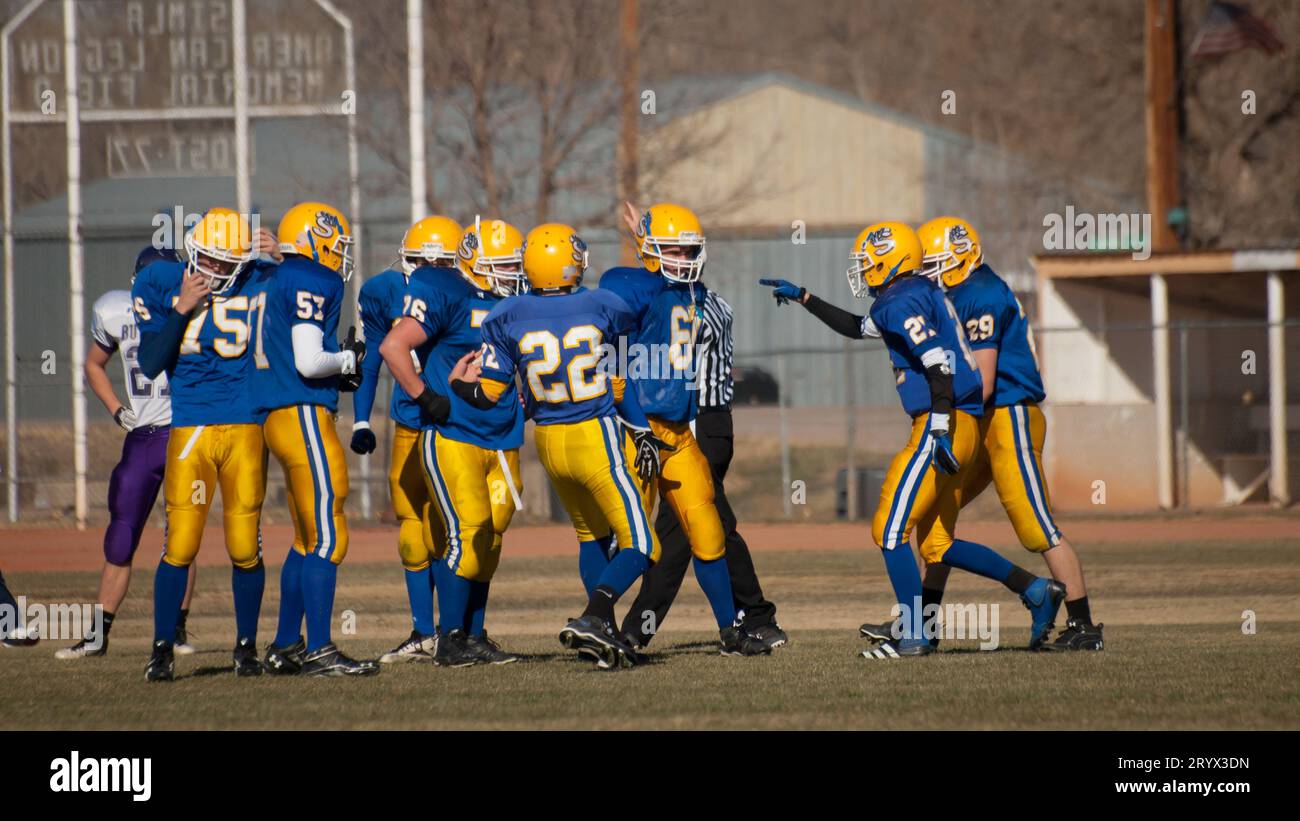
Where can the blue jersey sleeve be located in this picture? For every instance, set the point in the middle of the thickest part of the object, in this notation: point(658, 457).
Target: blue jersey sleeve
point(499, 361)
point(984, 315)
point(374, 327)
point(148, 300)
point(624, 283)
point(914, 322)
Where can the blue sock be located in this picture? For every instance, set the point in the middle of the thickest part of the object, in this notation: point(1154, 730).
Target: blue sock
point(478, 599)
point(978, 559)
point(319, 577)
point(419, 592)
point(248, 586)
point(168, 594)
point(900, 564)
point(715, 581)
point(291, 607)
point(592, 561)
point(453, 602)
point(624, 569)
point(440, 571)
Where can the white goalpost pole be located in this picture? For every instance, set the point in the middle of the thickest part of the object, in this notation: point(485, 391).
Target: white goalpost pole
point(76, 272)
point(415, 93)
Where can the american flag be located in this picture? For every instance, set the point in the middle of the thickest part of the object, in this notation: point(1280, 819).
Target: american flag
point(1228, 27)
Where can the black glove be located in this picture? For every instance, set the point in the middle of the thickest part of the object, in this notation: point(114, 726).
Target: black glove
point(647, 453)
point(363, 441)
point(437, 406)
point(349, 382)
point(357, 346)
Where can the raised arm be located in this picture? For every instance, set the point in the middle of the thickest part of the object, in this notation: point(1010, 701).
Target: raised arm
point(838, 320)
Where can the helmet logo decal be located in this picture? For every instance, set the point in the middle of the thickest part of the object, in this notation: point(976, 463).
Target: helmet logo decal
point(326, 225)
point(643, 227)
point(468, 245)
point(579, 247)
point(881, 240)
point(959, 239)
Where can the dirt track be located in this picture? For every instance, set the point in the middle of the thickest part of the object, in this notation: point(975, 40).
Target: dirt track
point(62, 549)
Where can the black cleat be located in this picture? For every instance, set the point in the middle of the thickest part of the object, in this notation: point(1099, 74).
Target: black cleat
point(890, 631)
point(83, 649)
point(737, 642)
point(329, 661)
point(770, 634)
point(454, 651)
point(246, 663)
point(285, 661)
point(1078, 636)
point(162, 664)
point(882, 631)
point(418, 647)
point(898, 648)
point(595, 639)
point(488, 651)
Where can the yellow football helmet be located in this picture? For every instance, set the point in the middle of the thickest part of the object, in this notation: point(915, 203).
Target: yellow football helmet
point(880, 253)
point(667, 226)
point(319, 232)
point(219, 246)
point(491, 255)
point(554, 257)
point(431, 241)
point(951, 250)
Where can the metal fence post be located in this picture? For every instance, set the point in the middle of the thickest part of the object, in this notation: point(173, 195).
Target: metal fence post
point(783, 403)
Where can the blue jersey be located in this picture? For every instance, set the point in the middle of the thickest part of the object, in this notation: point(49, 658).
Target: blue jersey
point(914, 317)
point(381, 304)
point(209, 382)
point(557, 343)
point(993, 318)
point(663, 366)
point(298, 291)
point(451, 310)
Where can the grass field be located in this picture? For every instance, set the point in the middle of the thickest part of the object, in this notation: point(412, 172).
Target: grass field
point(1176, 656)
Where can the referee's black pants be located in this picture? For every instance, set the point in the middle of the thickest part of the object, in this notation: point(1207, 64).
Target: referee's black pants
point(660, 584)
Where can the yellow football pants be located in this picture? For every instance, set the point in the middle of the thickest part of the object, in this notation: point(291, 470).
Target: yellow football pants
point(1011, 458)
point(917, 494)
point(473, 500)
point(589, 464)
point(306, 444)
point(199, 460)
point(686, 484)
point(420, 537)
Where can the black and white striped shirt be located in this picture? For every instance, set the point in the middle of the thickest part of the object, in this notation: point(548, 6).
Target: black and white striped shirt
point(714, 349)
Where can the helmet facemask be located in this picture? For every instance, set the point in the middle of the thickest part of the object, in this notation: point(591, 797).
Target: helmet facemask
point(221, 280)
point(342, 248)
point(674, 268)
point(429, 254)
point(504, 274)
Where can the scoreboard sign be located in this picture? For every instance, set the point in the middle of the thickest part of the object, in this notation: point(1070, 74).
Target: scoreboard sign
point(155, 55)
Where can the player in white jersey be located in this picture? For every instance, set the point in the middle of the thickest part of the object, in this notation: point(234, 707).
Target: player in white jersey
point(146, 416)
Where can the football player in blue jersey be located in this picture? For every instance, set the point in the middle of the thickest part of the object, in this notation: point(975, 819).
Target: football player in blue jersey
point(1013, 428)
point(299, 367)
point(667, 299)
point(556, 337)
point(939, 385)
point(421, 538)
point(194, 324)
point(470, 454)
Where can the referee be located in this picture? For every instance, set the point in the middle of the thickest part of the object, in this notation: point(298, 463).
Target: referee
point(713, 430)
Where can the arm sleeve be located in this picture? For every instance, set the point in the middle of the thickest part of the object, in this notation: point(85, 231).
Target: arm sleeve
point(373, 330)
point(160, 350)
point(309, 355)
point(837, 319)
point(938, 375)
point(482, 394)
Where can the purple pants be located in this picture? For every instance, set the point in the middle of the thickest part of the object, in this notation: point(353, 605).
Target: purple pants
point(132, 491)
